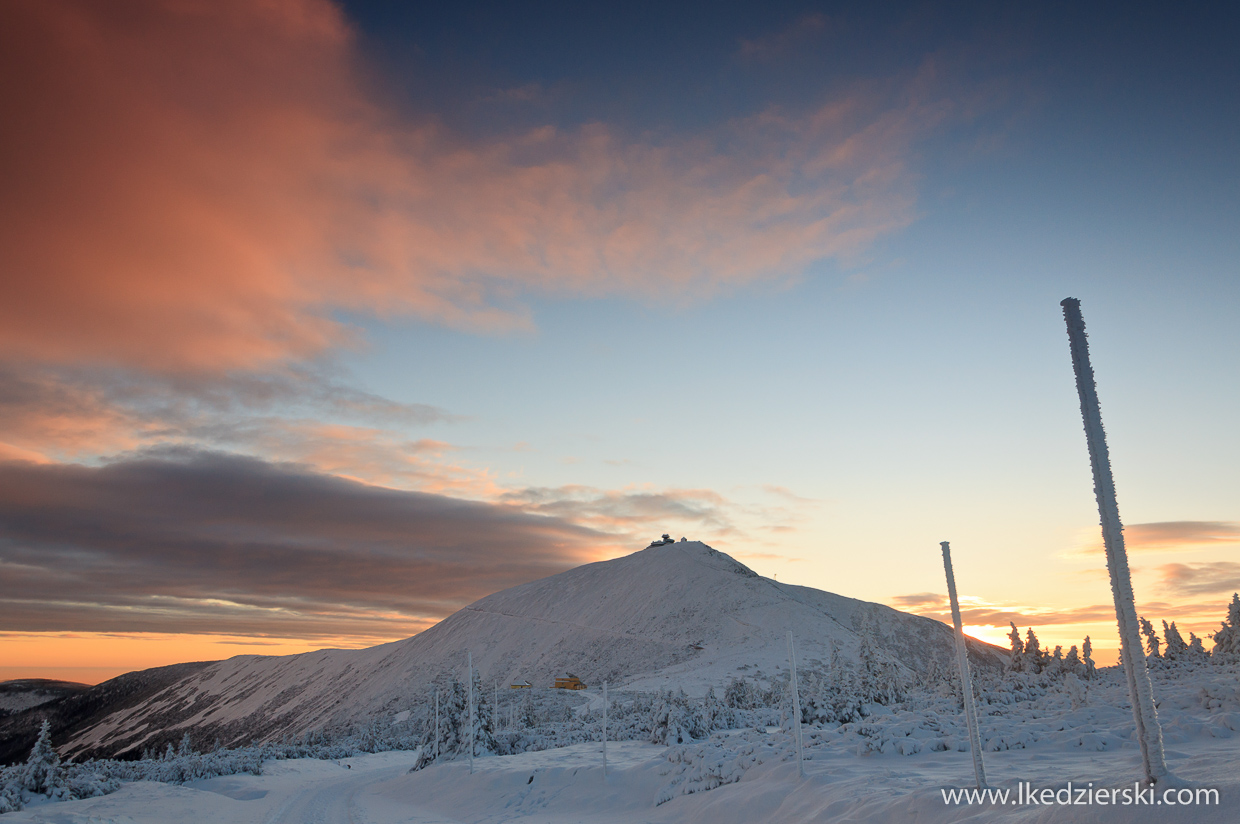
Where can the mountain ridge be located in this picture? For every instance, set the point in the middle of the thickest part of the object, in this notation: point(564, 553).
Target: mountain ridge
point(671, 615)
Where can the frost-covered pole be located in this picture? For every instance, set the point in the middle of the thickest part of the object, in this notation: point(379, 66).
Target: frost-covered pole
point(966, 679)
point(1141, 692)
point(604, 729)
point(495, 709)
point(796, 704)
point(436, 725)
point(471, 712)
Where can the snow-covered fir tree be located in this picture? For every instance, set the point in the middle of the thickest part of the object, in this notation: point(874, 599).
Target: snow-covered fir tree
point(1056, 661)
point(1017, 661)
point(1227, 639)
point(1087, 657)
point(1034, 658)
point(1177, 649)
point(1152, 643)
point(675, 721)
point(453, 726)
point(43, 765)
point(1072, 662)
point(1196, 650)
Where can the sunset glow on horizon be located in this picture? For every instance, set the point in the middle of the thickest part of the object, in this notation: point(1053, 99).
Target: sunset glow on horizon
point(322, 320)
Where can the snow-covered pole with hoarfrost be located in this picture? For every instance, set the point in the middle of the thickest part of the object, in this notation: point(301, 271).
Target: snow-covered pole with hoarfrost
point(471, 712)
point(1132, 656)
point(436, 725)
point(966, 678)
point(604, 730)
point(796, 704)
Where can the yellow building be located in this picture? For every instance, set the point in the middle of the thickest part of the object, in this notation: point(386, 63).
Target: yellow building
point(571, 682)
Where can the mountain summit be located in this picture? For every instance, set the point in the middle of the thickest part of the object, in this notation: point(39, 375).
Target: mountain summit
point(672, 615)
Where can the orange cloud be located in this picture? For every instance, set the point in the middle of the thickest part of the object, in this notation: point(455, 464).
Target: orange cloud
point(1177, 534)
point(1199, 579)
point(1162, 536)
point(201, 185)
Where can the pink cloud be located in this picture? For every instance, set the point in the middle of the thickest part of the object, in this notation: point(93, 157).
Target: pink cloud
point(200, 185)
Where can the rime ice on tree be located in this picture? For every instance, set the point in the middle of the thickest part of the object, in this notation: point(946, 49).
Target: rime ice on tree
point(1149, 733)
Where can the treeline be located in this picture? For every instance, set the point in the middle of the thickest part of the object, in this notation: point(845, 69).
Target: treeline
point(1028, 655)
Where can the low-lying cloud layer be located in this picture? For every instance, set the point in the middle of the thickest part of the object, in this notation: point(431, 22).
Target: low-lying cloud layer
point(1201, 579)
point(199, 542)
point(935, 605)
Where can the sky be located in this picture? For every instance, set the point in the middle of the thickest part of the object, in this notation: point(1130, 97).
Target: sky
point(322, 320)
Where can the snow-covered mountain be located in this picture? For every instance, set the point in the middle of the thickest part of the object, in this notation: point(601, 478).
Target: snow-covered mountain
point(676, 615)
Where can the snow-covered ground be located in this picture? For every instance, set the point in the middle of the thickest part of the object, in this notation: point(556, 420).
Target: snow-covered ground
point(854, 772)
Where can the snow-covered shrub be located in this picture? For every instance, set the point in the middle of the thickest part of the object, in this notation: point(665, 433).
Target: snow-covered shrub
point(723, 759)
point(674, 720)
point(741, 694)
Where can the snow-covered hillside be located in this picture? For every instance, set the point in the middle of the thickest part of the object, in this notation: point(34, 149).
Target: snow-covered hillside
point(674, 615)
point(23, 694)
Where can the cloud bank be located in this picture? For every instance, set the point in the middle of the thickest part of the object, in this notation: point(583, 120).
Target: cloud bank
point(200, 542)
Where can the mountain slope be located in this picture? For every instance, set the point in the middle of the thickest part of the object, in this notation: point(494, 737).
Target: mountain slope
point(676, 615)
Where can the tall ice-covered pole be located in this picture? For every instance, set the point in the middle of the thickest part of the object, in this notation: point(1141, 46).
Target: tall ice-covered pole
point(472, 728)
point(966, 679)
point(796, 704)
point(1141, 692)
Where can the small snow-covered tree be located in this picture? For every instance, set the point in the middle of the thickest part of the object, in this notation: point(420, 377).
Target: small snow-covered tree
point(1176, 647)
point(674, 721)
point(1072, 661)
point(716, 715)
point(1016, 662)
point(1087, 657)
point(1035, 658)
point(1152, 643)
point(453, 726)
point(43, 764)
point(1227, 639)
point(1196, 651)
point(1056, 661)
